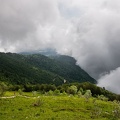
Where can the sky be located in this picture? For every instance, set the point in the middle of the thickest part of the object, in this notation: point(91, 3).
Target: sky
point(88, 30)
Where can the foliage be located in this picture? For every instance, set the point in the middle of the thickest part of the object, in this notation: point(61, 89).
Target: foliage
point(38, 69)
point(72, 90)
point(20, 91)
point(50, 92)
point(102, 97)
point(79, 89)
point(56, 92)
point(79, 93)
point(88, 94)
point(3, 88)
point(38, 102)
point(34, 93)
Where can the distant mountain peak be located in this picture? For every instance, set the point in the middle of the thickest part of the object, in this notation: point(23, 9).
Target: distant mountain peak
point(46, 52)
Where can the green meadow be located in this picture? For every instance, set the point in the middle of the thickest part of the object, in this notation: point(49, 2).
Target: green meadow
point(56, 107)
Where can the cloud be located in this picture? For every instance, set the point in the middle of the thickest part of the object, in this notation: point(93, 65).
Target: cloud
point(93, 38)
point(20, 20)
point(87, 30)
point(111, 81)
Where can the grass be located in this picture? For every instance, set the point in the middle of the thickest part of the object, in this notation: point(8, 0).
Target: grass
point(55, 108)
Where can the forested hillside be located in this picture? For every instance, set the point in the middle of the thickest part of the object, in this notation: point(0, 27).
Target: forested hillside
point(36, 68)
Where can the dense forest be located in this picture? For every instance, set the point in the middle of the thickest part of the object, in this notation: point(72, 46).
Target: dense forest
point(36, 68)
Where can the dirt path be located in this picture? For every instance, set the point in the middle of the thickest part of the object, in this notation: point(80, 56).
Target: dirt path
point(8, 97)
point(18, 95)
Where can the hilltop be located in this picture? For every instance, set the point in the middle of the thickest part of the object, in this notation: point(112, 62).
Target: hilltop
point(37, 68)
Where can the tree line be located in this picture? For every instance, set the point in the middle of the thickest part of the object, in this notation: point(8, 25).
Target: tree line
point(71, 88)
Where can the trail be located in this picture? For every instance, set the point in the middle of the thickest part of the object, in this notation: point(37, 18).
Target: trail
point(19, 96)
point(8, 97)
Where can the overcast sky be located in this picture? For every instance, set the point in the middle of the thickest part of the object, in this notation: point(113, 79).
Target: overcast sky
point(88, 30)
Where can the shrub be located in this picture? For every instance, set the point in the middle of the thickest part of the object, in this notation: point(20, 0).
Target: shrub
point(3, 88)
point(72, 90)
point(38, 102)
point(20, 91)
point(79, 93)
point(50, 92)
point(56, 92)
point(34, 93)
point(88, 94)
point(102, 97)
point(64, 93)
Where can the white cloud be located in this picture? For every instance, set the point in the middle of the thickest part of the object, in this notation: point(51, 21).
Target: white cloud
point(88, 30)
point(111, 81)
point(19, 20)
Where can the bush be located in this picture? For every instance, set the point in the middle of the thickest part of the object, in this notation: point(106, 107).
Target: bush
point(64, 93)
point(72, 90)
point(102, 97)
point(50, 92)
point(38, 102)
point(79, 93)
point(56, 92)
point(3, 88)
point(34, 93)
point(88, 94)
point(20, 91)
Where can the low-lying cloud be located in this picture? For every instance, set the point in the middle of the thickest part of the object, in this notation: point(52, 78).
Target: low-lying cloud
point(87, 30)
point(111, 81)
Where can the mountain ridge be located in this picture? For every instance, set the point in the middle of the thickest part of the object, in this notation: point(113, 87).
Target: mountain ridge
point(36, 68)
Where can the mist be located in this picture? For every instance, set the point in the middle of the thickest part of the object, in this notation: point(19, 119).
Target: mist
point(87, 30)
point(111, 81)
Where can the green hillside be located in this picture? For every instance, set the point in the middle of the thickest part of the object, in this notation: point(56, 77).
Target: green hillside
point(36, 68)
point(56, 107)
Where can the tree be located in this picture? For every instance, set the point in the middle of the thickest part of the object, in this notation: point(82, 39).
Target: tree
point(3, 88)
point(56, 92)
point(87, 95)
point(72, 90)
point(79, 93)
point(20, 91)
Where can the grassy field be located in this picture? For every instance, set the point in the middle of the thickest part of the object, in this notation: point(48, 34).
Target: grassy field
point(42, 107)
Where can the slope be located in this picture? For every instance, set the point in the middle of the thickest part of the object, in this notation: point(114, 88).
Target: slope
point(14, 69)
point(36, 68)
point(64, 66)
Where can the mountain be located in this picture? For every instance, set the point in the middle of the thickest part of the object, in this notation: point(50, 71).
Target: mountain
point(46, 52)
point(37, 68)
